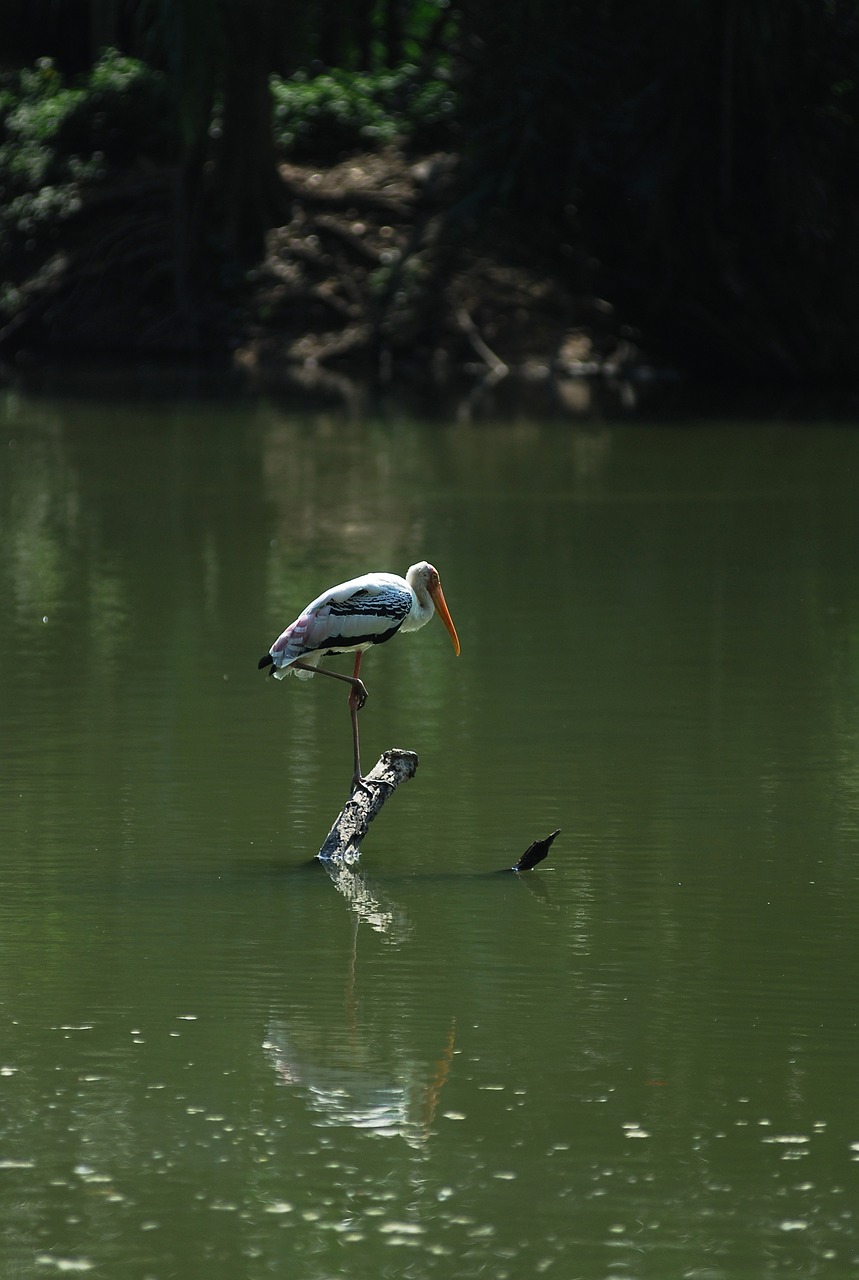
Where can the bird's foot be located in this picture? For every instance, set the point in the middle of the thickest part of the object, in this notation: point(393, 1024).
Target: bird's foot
point(365, 784)
point(359, 694)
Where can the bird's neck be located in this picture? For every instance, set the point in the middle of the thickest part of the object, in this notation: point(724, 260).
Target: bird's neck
point(421, 611)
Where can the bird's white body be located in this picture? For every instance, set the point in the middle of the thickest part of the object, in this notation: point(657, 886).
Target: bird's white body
point(353, 616)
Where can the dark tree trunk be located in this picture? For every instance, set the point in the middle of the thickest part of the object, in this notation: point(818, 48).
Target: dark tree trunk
point(362, 30)
point(246, 169)
point(393, 33)
point(331, 20)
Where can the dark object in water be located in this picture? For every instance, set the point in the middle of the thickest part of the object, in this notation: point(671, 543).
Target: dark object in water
point(534, 854)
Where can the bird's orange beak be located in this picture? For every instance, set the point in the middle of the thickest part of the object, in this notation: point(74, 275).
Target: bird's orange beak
point(441, 607)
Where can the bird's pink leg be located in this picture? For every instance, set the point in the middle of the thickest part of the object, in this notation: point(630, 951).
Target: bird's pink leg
point(356, 702)
point(359, 692)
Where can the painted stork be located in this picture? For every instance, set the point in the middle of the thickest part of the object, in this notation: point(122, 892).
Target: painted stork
point(351, 617)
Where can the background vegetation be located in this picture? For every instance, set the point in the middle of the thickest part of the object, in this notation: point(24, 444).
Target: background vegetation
point(692, 161)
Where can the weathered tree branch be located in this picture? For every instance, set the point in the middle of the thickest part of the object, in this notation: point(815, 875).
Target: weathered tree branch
point(534, 854)
point(343, 842)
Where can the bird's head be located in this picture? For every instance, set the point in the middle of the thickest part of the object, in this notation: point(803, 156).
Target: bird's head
point(424, 581)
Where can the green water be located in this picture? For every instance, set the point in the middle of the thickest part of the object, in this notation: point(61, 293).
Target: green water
point(218, 1062)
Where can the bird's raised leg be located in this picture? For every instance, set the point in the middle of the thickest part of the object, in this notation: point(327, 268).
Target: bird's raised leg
point(358, 689)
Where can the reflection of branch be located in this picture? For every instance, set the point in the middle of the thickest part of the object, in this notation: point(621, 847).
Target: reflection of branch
point(442, 1071)
point(367, 903)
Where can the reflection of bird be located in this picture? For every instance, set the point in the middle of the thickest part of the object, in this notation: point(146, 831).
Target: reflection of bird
point(350, 618)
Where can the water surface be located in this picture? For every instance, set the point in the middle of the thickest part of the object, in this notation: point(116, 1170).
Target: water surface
point(220, 1062)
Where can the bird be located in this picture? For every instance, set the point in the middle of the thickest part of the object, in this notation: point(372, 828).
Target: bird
point(350, 618)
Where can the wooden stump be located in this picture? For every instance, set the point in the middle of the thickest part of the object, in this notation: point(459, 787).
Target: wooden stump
point(343, 842)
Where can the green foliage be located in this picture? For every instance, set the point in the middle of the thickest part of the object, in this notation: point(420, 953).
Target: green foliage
point(326, 116)
point(30, 114)
point(51, 131)
point(54, 137)
point(122, 111)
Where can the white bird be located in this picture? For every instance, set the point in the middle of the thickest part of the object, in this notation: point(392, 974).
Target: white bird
point(351, 617)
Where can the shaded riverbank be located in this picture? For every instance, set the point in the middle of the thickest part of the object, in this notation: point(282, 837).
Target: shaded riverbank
point(374, 277)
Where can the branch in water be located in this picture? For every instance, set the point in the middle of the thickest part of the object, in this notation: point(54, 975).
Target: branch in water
point(535, 853)
point(343, 842)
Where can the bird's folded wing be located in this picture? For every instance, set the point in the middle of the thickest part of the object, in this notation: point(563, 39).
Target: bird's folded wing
point(305, 635)
point(350, 614)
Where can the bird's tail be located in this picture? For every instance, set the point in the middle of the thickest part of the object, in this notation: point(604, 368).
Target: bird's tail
point(280, 673)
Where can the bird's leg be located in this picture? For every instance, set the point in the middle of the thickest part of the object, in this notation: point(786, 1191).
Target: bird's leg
point(358, 688)
point(356, 702)
point(357, 698)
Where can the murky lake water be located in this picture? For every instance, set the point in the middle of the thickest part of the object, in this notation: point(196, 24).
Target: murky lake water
point(220, 1062)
